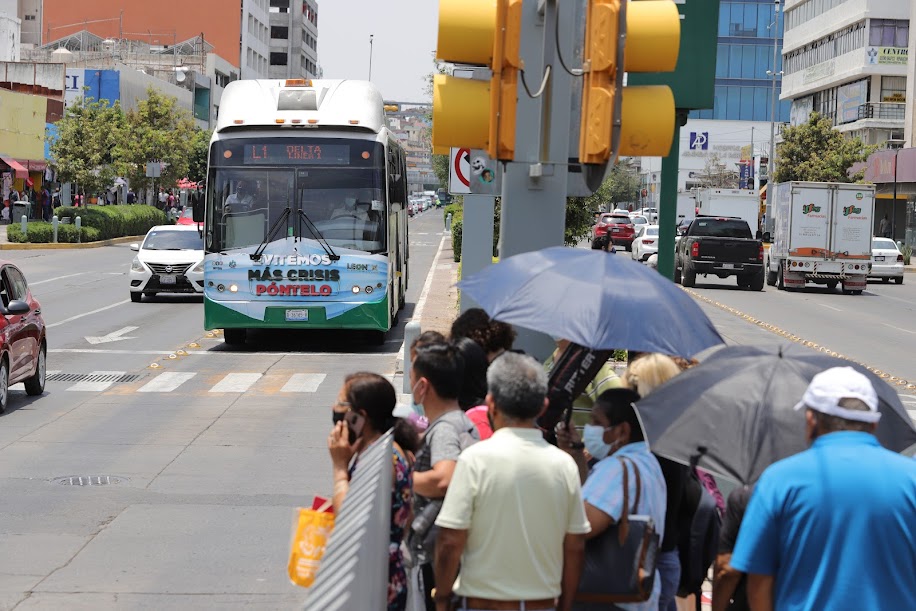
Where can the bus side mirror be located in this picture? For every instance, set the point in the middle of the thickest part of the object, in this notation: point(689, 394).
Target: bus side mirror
point(197, 213)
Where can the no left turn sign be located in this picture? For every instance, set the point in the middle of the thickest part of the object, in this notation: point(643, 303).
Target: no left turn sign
point(460, 171)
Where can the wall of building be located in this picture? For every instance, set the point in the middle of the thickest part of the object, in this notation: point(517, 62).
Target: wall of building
point(163, 21)
point(255, 33)
point(221, 73)
point(701, 141)
point(22, 125)
point(9, 37)
point(910, 120)
point(30, 12)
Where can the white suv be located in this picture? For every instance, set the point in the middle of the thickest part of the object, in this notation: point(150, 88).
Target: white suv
point(170, 260)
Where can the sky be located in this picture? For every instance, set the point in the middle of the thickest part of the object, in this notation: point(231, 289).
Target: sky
point(403, 45)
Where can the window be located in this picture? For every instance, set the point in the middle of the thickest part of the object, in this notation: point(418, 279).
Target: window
point(893, 89)
point(279, 6)
point(888, 32)
point(30, 17)
point(804, 12)
point(277, 31)
point(279, 59)
point(826, 48)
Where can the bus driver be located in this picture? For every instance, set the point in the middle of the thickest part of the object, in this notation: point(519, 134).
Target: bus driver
point(240, 201)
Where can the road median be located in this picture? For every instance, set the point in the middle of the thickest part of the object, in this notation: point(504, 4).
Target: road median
point(63, 245)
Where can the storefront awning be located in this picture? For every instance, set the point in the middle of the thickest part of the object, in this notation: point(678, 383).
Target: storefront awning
point(20, 171)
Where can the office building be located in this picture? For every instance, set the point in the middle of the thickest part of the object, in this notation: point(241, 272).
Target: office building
point(293, 39)
point(715, 141)
point(847, 60)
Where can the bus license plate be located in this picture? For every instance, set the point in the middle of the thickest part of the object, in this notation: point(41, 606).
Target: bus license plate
point(295, 315)
point(166, 279)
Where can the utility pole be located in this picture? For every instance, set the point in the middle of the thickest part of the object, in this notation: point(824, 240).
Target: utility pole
point(773, 74)
point(371, 36)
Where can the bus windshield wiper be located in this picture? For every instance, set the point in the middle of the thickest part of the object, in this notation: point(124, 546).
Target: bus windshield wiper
point(318, 237)
point(256, 255)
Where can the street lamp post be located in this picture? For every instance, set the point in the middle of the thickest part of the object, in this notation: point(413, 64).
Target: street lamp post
point(371, 36)
point(773, 74)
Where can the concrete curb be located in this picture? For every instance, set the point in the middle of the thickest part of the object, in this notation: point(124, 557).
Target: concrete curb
point(64, 246)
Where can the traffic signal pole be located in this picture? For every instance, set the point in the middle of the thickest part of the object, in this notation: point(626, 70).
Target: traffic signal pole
point(667, 207)
point(533, 214)
point(476, 239)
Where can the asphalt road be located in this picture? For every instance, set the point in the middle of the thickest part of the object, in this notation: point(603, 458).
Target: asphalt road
point(212, 450)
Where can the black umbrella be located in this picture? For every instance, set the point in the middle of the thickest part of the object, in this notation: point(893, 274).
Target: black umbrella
point(734, 415)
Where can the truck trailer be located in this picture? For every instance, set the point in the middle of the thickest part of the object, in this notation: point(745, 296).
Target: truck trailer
point(823, 235)
point(739, 203)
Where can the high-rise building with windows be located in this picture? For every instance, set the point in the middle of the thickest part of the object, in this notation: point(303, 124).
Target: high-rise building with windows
point(847, 60)
point(716, 141)
point(293, 38)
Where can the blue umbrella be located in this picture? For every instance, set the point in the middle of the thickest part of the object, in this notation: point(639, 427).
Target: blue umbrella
point(594, 299)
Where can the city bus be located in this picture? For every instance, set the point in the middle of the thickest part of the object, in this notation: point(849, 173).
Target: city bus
point(305, 216)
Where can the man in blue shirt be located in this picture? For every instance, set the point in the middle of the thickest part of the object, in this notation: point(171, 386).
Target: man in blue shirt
point(833, 527)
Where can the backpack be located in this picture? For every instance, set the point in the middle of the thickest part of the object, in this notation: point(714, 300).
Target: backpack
point(699, 536)
point(423, 529)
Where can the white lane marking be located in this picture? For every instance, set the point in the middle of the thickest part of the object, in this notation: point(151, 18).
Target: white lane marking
point(114, 336)
point(104, 351)
point(236, 382)
point(84, 314)
point(824, 305)
point(303, 382)
point(899, 329)
point(167, 382)
point(95, 386)
point(58, 279)
point(421, 302)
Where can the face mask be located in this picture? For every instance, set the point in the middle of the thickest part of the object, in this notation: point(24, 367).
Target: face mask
point(338, 416)
point(418, 405)
point(593, 436)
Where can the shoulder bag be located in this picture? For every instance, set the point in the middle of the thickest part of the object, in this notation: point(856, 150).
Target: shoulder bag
point(620, 562)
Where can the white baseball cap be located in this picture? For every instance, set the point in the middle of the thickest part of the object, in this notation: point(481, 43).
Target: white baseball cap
point(829, 387)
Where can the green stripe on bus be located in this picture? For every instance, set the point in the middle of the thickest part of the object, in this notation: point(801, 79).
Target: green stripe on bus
point(372, 316)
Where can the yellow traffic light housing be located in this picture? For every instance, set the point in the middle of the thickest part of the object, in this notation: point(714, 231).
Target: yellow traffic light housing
point(622, 36)
point(475, 113)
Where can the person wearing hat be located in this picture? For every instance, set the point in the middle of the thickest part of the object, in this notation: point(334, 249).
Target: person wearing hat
point(833, 527)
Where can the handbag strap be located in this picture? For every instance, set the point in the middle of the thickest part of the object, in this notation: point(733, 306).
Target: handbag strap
point(624, 522)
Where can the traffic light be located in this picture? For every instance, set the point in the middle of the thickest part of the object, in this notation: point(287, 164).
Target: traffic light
point(622, 36)
point(478, 114)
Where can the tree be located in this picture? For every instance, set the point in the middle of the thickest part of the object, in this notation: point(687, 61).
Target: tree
point(815, 151)
point(88, 145)
point(158, 130)
point(197, 160)
point(622, 184)
point(717, 175)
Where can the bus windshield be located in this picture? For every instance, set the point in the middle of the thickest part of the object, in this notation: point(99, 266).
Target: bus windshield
point(346, 204)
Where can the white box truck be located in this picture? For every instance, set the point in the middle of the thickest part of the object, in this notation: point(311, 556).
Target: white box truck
point(741, 203)
point(686, 206)
point(823, 234)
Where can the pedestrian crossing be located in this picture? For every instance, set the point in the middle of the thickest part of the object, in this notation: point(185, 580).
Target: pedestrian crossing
point(191, 381)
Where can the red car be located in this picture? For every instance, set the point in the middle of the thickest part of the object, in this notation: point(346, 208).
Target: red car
point(187, 218)
point(615, 229)
point(23, 344)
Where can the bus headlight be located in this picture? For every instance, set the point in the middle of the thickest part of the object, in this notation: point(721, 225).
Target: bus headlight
point(233, 288)
point(355, 290)
point(136, 266)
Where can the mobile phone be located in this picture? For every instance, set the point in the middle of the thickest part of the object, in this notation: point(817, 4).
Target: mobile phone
point(355, 424)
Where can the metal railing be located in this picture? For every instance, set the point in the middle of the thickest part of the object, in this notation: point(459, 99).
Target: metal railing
point(891, 111)
point(353, 573)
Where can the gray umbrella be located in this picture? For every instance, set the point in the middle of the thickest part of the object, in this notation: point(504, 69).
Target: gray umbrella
point(733, 414)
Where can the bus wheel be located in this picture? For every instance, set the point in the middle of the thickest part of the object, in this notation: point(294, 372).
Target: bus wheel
point(235, 337)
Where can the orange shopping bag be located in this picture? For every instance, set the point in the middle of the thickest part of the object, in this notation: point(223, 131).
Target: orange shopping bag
point(312, 529)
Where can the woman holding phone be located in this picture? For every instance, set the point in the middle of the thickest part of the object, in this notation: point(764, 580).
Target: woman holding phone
point(362, 414)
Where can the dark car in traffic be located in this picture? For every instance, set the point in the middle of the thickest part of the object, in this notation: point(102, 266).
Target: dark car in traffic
point(23, 343)
point(721, 246)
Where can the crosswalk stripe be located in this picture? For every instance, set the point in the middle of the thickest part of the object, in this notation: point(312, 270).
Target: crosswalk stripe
point(86, 386)
point(167, 382)
point(236, 382)
point(303, 382)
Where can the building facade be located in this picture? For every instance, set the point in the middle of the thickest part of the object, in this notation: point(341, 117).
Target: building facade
point(716, 141)
point(847, 60)
point(10, 31)
point(30, 12)
point(293, 39)
point(909, 127)
point(241, 31)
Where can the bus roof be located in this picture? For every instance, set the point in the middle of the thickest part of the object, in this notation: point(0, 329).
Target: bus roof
point(301, 103)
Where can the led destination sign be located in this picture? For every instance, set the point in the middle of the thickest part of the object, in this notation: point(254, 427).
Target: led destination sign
point(297, 154)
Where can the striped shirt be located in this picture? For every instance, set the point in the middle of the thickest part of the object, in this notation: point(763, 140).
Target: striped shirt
point(604, 490)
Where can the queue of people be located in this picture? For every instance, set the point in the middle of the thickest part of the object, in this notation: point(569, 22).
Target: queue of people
point(486, 514)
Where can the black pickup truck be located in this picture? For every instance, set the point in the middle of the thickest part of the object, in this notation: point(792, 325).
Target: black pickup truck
point(722, 246)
